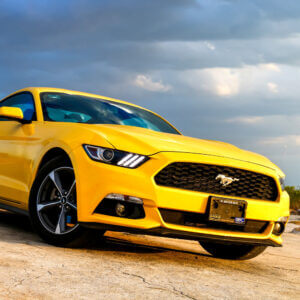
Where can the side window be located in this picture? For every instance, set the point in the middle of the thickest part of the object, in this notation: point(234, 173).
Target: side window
point(25, 102)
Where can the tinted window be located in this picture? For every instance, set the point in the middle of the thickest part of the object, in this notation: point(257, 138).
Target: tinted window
point(60, 107)
point(25, 102)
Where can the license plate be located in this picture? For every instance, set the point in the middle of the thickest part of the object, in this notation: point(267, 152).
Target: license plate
point(227, 210)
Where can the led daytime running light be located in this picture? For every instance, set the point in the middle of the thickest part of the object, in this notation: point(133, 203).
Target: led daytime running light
point(115, 157)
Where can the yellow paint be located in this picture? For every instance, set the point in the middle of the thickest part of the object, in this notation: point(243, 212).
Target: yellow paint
point(11, 113)
point(22, 147)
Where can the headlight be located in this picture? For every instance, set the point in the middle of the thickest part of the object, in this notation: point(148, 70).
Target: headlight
point(115, 157)
point(282, 183)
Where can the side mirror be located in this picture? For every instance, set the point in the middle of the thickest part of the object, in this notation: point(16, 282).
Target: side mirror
point(12, 113)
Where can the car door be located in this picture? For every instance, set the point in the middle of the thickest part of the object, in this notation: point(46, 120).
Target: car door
point(16, 142)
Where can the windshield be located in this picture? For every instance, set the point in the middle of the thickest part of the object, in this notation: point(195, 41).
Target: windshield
point(60, 107)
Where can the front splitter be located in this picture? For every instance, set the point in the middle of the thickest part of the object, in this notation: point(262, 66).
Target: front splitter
point(165, 232)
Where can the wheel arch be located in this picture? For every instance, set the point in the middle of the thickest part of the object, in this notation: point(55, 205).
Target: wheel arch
point(53, 153)
point(47, 155)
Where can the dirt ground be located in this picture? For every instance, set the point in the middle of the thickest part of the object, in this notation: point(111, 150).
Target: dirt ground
point(129, 266)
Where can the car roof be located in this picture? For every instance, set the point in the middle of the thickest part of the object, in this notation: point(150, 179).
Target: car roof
point(70, 92)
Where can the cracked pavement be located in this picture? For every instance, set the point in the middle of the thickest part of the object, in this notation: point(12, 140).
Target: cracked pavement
point(126, 266)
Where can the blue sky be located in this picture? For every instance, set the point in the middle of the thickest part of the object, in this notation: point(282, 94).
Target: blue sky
point(226, 70)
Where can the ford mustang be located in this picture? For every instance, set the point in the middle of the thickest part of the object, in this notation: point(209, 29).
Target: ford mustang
point(79, 164)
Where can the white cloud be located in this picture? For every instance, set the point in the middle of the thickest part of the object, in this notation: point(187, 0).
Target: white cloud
point(271, 67)
point(220, 81)
point(246, 80)
point(273, 88)
point(147, 83)
point(210, 46)
point(226, 81)
point(246, 120)
point(285, 140)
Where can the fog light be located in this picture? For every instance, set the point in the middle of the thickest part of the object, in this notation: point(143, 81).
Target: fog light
point(278, 228)
point(121, 210)
point(118, 205)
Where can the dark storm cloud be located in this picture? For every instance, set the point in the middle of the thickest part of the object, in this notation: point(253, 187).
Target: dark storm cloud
point(210, 66)
point(151, 19)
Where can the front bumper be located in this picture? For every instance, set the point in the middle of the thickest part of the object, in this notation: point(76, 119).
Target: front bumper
point(96, 180)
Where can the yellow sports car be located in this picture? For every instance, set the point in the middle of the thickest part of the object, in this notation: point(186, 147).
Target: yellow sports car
point(80, 164)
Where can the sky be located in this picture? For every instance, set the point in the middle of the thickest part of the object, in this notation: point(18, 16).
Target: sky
point(226, 70)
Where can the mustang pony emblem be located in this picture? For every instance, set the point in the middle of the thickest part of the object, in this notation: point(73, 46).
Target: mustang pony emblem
point(226, 180)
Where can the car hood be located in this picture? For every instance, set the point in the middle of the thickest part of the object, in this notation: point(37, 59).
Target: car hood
point(148, 142)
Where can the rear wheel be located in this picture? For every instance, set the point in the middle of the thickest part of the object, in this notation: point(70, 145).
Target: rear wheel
point(232, 251)
point(53, 206)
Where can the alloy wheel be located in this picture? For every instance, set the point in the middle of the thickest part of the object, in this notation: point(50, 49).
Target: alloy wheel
point(56, 201)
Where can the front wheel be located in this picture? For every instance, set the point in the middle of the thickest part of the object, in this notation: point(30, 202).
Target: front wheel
point(53, 206)
point(232, 251)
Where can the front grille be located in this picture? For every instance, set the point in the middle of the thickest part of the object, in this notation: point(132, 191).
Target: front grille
point(202, 178)
point(201, 221)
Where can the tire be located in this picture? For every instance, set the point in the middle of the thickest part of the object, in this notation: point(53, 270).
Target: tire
point(53, 207)
point(232, 251)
